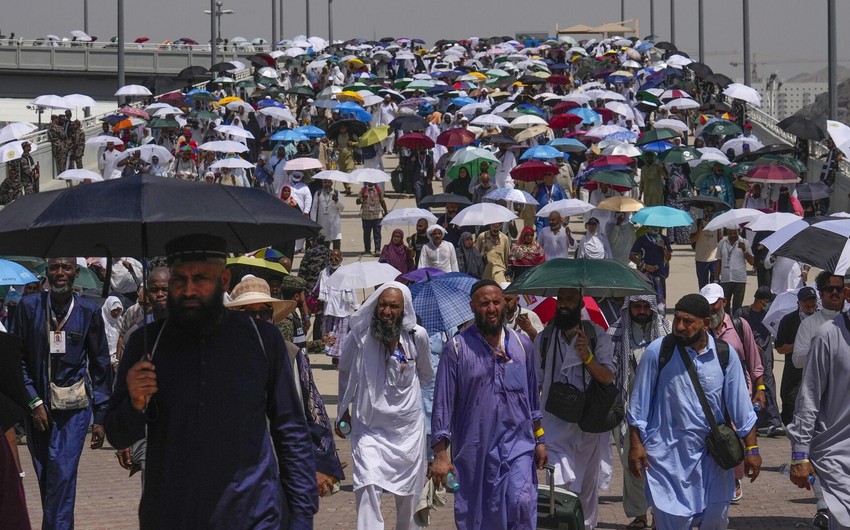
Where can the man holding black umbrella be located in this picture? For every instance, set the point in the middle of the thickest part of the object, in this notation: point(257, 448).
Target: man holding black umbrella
point(228, 444)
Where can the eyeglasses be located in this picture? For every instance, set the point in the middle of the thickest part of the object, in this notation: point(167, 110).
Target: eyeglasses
point(267, 313)
point(832, 289)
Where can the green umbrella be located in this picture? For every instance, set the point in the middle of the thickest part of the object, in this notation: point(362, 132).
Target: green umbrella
point(614, 178)
point(791, 163)
point(30, 262)
point(722, 128)
point(595, 277)
point(301, 91)
point(164, 123)
point(86, 279)
point(679, 155)
point(655, 135)
point(703, 169)
point(650, 97)
point(203, 114)
point(246, 83)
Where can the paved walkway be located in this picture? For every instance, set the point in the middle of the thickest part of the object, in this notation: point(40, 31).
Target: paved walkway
point(107, 499)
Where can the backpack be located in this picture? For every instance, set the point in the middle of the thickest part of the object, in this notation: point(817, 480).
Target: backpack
point(668, 348)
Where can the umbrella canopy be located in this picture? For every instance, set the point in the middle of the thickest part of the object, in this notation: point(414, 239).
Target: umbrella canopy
point(311, 131)
point(511, 195)
point(369, 175)
point(12, 273)
point(407, 216)
point(442, 199)
point(80, 174)
point(15, 150)
point(722, 128)
point(825, 245)
point(362, 275)
point(772, 174)
point(813, 191)
point(619, 203)
point(409, 122)
point(302, 164)
point(701, 201)
point(566, 207)
point(352, 126)
point(256, 265)
point(224, 146)
point(415, 141)
point(232, 163)
point(614, 178)
point(456, 137)
point(418, 275)
point(16, 131)
point(771, 222)
point(743, 93)
point(533, 171)
point(51, 101)
point(679, 155)
point(288, 135)
point(662, 217)
point(133, 90)
point(802, 128)
point(334, 175)
point(482, 214)
point(594, 277)
point(541, 152)
point(655, 135)
point(138, 215)
point(442, 302)
point(733, 218)
point(374, 136)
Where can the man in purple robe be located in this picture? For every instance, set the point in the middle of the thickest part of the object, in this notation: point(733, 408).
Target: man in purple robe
point(493, 425)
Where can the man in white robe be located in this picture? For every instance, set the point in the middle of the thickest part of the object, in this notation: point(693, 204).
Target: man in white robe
point(325, 210)
point(386, 358)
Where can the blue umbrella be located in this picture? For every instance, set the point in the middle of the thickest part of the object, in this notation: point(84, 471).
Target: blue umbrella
point(442, 303)
point(657, 147)
point(417, 275)
point(310, 131)
point(13, 274)
point(527, 108)
point(288, 135)
point(353, 110)
point(462, 101)
point(270, 103)
point(568, 144)
point(662, 217)
point(622, 136)
point(587, 116)
point(541, 152)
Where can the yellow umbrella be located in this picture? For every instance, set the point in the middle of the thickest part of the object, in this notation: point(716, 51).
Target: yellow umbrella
point(620, 204)
point(623, 73)
point(228, 99)
point(478, 75)
point(531, 132)
point(348, 95)
point(542, 74)
point(374, 135)
point(251, 261)
point(355, 62)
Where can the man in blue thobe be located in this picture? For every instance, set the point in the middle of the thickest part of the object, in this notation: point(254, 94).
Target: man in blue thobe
point(486, 407)
point(64, 343)
point(227, 441)
point(668, 427)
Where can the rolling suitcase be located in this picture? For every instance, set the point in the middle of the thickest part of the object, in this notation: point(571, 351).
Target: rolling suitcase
point(558, 509)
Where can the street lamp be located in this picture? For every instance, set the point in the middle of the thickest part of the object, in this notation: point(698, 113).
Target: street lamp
point(330, 22)
point(216, 11)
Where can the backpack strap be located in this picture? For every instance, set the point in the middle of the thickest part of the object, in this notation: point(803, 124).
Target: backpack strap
point(545, 337)
point(739, 327)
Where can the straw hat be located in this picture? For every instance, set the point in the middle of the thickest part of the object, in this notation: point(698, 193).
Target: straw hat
point(252, 290)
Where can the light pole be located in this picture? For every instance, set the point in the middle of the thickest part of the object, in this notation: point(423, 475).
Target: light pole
point(622, 10)
point(330, 22)
point(215, 12)
point(86, 16)
point(672, 22)
point(121, 78)
point(700, 17)
point(274, 23)
point(652, 18)
point(308, 17)
point(832, 60)
point(746, 18)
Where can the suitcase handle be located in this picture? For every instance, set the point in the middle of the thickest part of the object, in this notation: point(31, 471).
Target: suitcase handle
point(550, 474)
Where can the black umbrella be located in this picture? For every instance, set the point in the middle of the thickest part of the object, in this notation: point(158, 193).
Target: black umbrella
point(813, 191)
point(222, 66)
point(772, 149)
point(500, 139)
point(701, 201)
point(700, 69)
point(193, 72)
point(409, 122)
point(136, 216)
point(353, 126)
point(442, 199)
point(802, 128)
point(668, 46)
point(719, 79)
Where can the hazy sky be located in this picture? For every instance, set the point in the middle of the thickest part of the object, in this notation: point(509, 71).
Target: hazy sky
point(781, 30)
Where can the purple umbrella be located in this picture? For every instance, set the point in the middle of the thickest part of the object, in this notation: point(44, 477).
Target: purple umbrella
point(421, 274)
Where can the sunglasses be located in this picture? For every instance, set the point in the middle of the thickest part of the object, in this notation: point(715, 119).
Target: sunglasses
point(832, 289)
point(267, 313)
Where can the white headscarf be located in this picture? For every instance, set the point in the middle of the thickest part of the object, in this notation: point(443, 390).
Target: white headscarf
point(110, 323)
point(363, 316)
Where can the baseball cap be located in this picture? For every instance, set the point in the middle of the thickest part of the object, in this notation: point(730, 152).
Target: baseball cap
point(712, 292)
point(806, 293)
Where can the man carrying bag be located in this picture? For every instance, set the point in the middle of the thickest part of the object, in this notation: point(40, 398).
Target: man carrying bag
point(688, 412)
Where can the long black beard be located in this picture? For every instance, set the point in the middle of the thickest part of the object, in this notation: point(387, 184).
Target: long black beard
point(199, 321)
point(642, 319)
point(693, 339)
point(488, 329)
point(566, 319)
point(386, 333)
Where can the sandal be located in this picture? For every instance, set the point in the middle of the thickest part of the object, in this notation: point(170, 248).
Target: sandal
point(638, 523)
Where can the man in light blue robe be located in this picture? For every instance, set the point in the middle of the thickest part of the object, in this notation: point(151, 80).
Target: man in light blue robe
point(685, 486)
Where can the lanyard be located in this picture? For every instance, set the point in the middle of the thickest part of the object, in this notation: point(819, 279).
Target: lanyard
point(59, 325)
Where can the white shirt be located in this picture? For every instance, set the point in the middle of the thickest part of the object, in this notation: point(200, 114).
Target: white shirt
point(806, 334)
point(337, 303)
point(110, 163)
point(555, 245)
point(733, 263)
point(326, 212)
point(503, 169)
point(443, 257)
point(594, 246)
point(302, 192)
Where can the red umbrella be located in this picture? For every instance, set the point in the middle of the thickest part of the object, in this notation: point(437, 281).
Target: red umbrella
point(141, 40)
point(546, 307)
point(132, 111)
point(564, 121)
point(610, 160)
point(174, 98)
point(415, 141)
point(457, 137)
point(558, 79)
point(606, 113)
point(772, 174)
point(564, 106)
point(533, 171)
point(592, 185)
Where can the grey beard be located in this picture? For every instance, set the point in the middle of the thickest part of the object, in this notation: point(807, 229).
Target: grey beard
point(386, 333)
point(65, 289)
point(717, 318)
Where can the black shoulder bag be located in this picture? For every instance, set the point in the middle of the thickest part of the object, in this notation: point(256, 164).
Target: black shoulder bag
point(565, 400)
point(722, 442)
point(603, 404)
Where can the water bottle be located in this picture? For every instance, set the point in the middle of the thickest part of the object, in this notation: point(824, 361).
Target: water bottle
point(452, 484)
point(785, 469)
point(344, 428)
point(756, 407)
point(328, 346)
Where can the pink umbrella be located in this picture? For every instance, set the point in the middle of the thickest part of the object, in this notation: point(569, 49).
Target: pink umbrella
point(132, 111)
point(772, 174)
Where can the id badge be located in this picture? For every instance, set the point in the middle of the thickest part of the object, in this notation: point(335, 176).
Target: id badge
point(57, 342)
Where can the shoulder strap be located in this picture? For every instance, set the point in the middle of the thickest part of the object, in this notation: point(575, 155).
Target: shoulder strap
point(722, 348)
point(739, 327)
point(706, 408)
point(668, 345)
point(546, 335)
point(590, 331)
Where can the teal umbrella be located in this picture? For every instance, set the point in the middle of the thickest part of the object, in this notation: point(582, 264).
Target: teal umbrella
point(722, 128)
point(679, 155)
point(614, 178)
point(656, 135)
point(594, 277)
point(662, 217)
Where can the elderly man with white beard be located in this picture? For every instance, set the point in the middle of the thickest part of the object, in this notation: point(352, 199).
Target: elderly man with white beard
point(386, 359)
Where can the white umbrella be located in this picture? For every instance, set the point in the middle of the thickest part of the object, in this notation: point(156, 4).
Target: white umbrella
point(511, 195)
point(743, 93)
point(224, 146)
point(295, 52)
point(79, 101)
point(577, 97)
point(622, 149)
point(133, 90)
point(331, 91)
point(236, 105)
point(771, 222)
point(362, 275)
point(302, 164)
point(14, 150)
point(839, 132)
point(371, 99)
point(279, 114)
point(482, 214)
point(81, 35)
point(490, 120)
point(678, 60)
point(710, 154)
point(163, 112)
point(334, 175)
point(670, 123)
point(781, 236)
point(51, 101)
point(80, 174)
point(149, 151)
point(783, 304)
point(269, 72)
point(234, 131)
point(233, 163)
point(408, 216)
point(369, 175)
point(566, 207)
point(737, 145)
point(732, 218)
point(601, 131)
point(15, 131)
point(471, 108)
point(528, 120)
point(103, 140)
point(682, 103)
point(618, 107)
